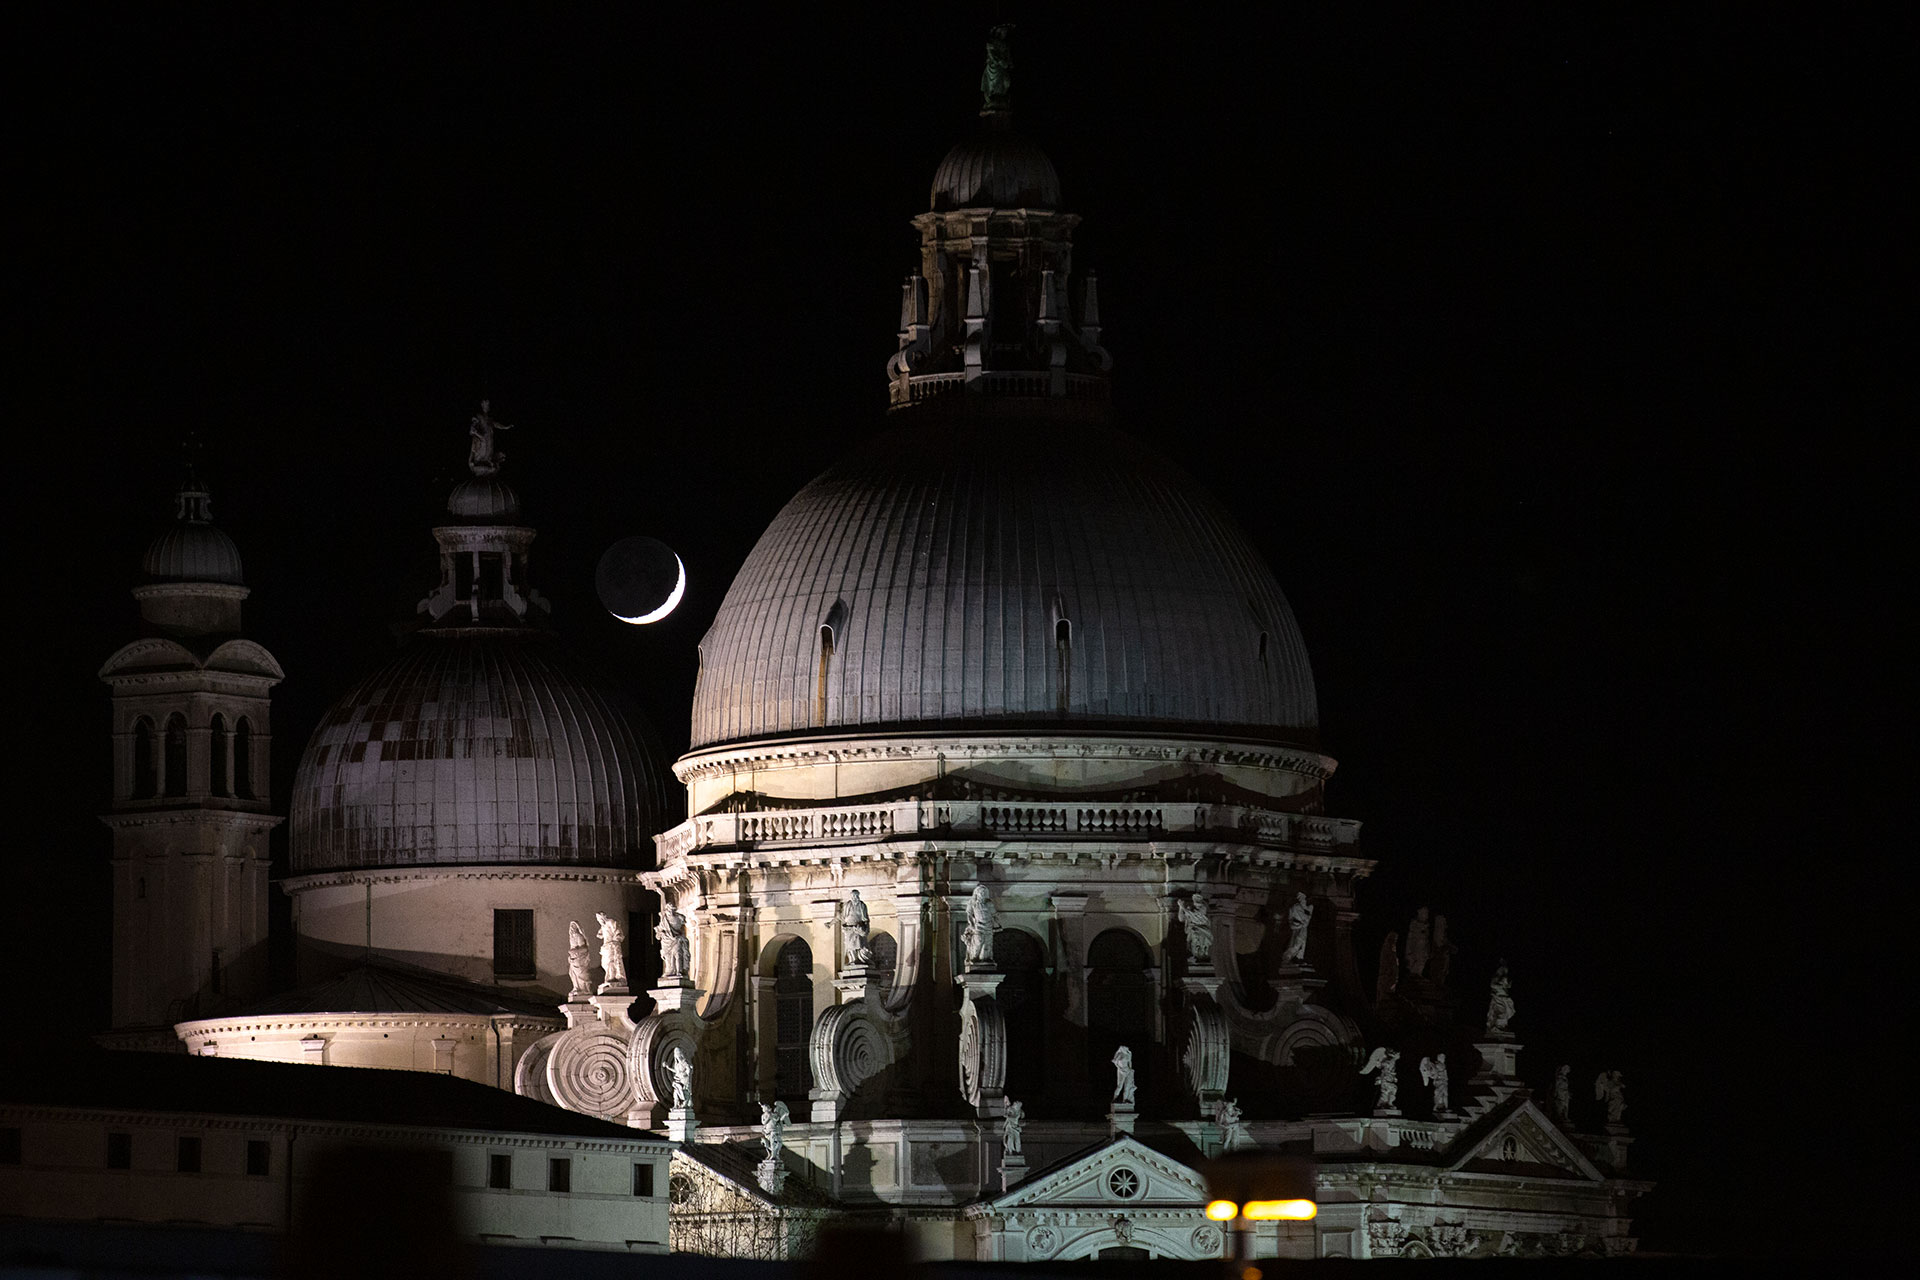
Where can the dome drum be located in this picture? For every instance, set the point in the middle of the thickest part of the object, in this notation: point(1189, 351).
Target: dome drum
point(1087, 767)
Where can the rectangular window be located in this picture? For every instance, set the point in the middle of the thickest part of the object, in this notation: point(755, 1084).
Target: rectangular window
point(259, 1158)
point(560, 1175)
point(119, 1151)
point(500, 1171)
point(643, 1179)
point(513, 944)
point(9, 1146)
point(187, 1156)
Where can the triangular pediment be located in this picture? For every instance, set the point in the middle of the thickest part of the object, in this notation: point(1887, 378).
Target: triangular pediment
point(1121, 1173)
point(1528, 1142)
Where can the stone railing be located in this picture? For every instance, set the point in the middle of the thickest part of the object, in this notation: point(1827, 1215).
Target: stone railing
point(1006, 382)
point(1001, 820)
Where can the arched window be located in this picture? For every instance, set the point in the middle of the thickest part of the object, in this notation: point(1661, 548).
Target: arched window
point(792, 1021)
point(142, 779)
point(243, 759)
point(820, 687)
point(176, 755)
point(1023, 1001)
point(1119, 1005)
point(219, 757)
point(886, 955)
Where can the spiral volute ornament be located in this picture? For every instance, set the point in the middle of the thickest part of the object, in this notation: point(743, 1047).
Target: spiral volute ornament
point(587, 1072)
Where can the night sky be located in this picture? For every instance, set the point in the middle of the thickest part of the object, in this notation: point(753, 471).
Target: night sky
point(1548, 359)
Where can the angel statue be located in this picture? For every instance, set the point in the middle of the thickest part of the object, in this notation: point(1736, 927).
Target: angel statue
point(1193, 915)
point(1016, 1119)
point(1299, 916)
point(1433, 1071)
point(1563, 1093)
point(483, 458)
point(1387, 1090)
point(676, 952)
point(612, 963)
point(854, 923)
point(1500, 1009)
point(680, 1068)
point(579, 961)
point(983, 921)
point(1611, 1088)
point(773, 1124)
point(1233, 1128)
point(1123, 1084)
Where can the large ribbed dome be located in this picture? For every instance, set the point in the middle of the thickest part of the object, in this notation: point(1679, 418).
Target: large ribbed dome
point(477, 744)
point(971, 575)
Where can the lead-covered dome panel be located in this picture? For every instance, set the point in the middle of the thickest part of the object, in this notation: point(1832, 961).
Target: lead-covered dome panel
point(477, 745)
point(1026, 574)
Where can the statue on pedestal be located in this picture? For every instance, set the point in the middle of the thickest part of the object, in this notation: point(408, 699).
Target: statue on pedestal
point(579, 962)
point(1233, 1128)
point(854, 923)
point(983, 921)
point(680, 1069)
point(1299, 917)
point(1015, 1121)
point(1192, 913)
point(1123, 1083)
point(1500, 1009)
point(1387, 1088)
point(676, 952)
point(773, 1124)
point(612, 962)
point(1419, 943)
point(1433, 1071)
point(1563, 1094)
point(1388, 980)
point(1611, 1088)
point(483, 458)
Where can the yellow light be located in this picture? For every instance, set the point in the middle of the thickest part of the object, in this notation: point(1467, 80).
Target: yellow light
point(1222, 1210)
point(1271, 1210)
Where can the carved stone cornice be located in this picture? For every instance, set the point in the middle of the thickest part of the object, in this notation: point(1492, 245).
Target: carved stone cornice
point(190, 814)
point(470, 871)
point(773, 752)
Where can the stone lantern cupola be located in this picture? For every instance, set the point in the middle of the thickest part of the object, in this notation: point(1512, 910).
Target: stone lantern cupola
point(995, 310)
point(483, 547)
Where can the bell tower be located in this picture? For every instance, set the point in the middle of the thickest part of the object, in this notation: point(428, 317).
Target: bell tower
point(190, 809)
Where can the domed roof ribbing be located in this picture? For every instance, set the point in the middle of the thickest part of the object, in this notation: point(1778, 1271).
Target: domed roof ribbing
point(998, 169)
point(484, 499)
point(980, 575)
point(476, 745)
point(193, 550)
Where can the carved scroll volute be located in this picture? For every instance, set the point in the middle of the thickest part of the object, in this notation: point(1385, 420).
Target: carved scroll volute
point(654, 1039)
point(983, 1053)
point(1208, 1052)
point(846, 1049)
point(910, 967)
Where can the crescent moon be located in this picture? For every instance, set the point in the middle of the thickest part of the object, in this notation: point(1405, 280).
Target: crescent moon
point(673, 598)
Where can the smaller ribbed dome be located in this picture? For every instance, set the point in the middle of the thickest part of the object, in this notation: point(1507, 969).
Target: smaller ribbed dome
point(193, 550)
point(485, 499)
point(998, 169)
point(193, 553)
